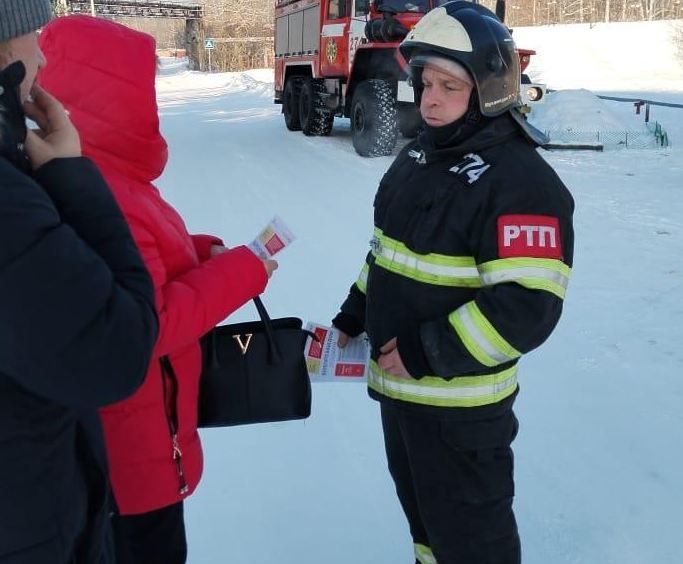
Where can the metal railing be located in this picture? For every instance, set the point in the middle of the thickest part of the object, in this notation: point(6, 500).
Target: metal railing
point(654, 139)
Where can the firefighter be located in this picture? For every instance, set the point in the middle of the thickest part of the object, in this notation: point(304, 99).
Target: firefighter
point(468, 269)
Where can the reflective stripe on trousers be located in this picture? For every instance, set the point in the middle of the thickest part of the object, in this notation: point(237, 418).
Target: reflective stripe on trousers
point(423, 554)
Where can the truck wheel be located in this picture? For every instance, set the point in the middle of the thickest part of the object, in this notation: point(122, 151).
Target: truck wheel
point(409, 121)
point(373, 118)
point(290, 104)
point(315, 117)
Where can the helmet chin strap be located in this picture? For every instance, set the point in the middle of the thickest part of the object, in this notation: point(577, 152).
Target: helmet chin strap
point(473, 114)
point(416, 79)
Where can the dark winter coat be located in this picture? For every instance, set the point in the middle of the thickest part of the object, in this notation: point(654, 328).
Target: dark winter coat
point(471, 256)
point(77, 328)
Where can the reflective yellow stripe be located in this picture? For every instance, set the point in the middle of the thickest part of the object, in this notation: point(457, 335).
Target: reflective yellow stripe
point(550, 275)
point(423, 554)
point(534, 273)
point(480, 337)
point(362, 282)
point(433, 268)
point(461, 391)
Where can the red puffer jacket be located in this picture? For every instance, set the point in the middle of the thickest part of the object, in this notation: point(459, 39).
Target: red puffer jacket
point(104, 74)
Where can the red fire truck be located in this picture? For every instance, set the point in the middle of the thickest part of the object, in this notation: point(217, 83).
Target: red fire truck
point(340, 58)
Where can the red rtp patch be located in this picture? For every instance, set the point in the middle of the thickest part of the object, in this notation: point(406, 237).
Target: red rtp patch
point(529, 236)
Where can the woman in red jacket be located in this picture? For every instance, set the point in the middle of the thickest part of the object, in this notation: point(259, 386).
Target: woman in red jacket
point(104, 73)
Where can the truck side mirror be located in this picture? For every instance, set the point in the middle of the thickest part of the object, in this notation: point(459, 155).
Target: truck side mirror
point(362, 7)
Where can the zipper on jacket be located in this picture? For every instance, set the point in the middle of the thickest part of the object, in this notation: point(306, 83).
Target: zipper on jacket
point(171, 411)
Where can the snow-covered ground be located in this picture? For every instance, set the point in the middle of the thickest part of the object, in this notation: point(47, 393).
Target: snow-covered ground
point(599, 459)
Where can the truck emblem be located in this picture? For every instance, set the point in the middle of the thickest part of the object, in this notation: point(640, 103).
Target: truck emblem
point(331, 51)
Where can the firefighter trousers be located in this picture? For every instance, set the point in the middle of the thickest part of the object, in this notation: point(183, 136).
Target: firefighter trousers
point(454, 480)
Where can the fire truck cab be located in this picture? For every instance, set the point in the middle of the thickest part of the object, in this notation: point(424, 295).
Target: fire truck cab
point(340, 58)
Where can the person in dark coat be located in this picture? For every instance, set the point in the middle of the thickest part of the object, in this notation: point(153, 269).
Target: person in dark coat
point(78, 321)
point(468, 269)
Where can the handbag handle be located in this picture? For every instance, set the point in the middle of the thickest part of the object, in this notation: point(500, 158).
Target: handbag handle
point(274, 354)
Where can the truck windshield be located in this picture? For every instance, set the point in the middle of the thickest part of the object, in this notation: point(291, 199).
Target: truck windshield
point(401, 6)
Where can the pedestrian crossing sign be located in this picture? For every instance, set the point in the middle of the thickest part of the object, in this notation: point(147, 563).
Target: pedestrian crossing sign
point(209, 44)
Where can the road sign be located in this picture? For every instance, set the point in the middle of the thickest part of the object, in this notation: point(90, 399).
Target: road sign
point(209, 44)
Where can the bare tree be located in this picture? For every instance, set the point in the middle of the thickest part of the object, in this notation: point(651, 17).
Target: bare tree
point(169, 33)
point(243, 30)
point(677, 33)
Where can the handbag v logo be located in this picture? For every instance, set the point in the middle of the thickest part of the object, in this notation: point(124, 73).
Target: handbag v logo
point(244, 346)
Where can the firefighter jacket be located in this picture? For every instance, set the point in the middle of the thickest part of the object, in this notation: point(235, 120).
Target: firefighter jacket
point(469, 263)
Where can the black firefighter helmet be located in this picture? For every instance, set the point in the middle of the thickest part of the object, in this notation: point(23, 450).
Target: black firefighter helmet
point(473, 36)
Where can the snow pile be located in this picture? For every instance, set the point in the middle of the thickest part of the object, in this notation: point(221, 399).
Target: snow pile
point(579, 116)
point(575, 110)
point(171, 65)
point(175, 77)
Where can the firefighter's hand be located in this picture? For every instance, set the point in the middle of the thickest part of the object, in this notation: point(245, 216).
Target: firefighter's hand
point(343, 339)
point(56, 136)
point(390, 361)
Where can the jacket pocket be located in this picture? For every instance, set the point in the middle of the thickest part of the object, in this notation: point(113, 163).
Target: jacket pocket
point(480, 454)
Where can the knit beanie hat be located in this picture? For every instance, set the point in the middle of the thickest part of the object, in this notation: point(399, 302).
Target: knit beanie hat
point(19, 17)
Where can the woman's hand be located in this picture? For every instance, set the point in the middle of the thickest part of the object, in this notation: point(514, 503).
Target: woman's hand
point(270, 266)
point(56, 137)
point(217, 250)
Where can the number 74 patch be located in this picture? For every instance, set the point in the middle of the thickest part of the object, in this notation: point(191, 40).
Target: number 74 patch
point(472, 167)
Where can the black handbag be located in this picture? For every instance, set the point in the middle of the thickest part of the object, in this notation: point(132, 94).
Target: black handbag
point(254, 372)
